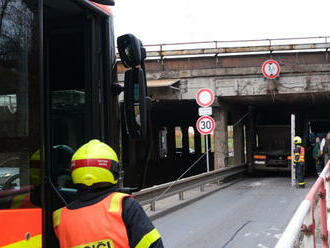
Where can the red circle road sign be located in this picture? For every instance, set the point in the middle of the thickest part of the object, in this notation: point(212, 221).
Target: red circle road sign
point(271, 69)
point(205, 125)
point(204, 97)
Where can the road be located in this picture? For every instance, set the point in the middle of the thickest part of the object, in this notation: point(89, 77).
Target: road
point(251, 213)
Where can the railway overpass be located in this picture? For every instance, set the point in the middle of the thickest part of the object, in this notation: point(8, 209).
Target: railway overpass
point(252, 211)
point(244, 97)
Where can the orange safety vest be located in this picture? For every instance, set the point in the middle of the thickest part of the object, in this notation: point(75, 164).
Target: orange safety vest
point(97, 226)
point(301, 154)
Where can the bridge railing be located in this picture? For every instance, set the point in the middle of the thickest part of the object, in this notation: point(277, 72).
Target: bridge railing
point(309, 225)
point(237, 46)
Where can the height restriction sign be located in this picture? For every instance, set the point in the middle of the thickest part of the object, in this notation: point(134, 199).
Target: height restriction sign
point(204, 97)
point(271, 69)
point(205, 125)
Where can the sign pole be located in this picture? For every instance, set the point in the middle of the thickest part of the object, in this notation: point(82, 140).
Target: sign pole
point(293, 169)
point(207, 152)
point(205, 124)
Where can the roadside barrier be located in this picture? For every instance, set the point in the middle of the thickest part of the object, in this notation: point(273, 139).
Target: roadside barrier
point(308, 227)
point(159, 192)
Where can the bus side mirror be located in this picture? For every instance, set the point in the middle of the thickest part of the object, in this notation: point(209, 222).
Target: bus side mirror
point(131, 51)
point(135, 105)
point(132, 54)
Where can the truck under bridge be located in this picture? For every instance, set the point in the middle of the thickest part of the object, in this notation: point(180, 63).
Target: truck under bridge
point(245, 99)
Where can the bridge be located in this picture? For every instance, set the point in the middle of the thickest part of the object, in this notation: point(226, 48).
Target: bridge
point(244, 97)
point(244, 100)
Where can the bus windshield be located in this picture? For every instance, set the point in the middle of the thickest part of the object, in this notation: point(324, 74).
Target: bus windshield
point(19, 104)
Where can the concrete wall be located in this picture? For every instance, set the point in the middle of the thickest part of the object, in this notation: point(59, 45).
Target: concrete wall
point(249, 82)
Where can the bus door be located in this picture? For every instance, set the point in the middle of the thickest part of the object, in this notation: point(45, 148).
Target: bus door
point(77, 56)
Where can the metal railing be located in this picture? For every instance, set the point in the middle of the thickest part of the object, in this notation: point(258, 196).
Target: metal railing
point(237, 46)
point(303, 225)
point(159, 192)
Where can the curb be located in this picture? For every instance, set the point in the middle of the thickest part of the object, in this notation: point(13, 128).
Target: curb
point(180, 204)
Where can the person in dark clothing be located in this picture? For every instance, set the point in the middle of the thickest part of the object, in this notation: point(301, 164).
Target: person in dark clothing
point(326, 149)
point(317, 156)
point(299, 162)
point(102, 216)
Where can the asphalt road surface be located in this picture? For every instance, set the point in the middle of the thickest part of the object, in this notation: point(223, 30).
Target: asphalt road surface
point(251, 213)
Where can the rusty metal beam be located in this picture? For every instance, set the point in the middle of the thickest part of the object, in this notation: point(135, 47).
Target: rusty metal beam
point(231, 61)
point(243, 49)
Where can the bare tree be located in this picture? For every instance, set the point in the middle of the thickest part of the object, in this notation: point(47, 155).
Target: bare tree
point(3, 8)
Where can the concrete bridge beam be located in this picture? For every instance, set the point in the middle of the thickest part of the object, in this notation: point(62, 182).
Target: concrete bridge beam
point(246, 81)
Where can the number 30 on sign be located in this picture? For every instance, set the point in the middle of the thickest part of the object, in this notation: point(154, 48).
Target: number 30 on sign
point(205, 125)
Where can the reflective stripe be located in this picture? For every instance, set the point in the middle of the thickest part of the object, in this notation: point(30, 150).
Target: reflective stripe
point(115, 204)
point(17, 201)
point(100, 243)
point(148, 239)
point(302, 183)
point(56, 217)
point(33, 242)
point(92, 162)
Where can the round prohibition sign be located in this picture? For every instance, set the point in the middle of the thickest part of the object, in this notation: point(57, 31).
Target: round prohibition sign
point(204, 97)
point(271, 69)
point(205, 125)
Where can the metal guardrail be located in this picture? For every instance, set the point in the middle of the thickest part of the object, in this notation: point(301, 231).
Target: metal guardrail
point(150, 195)
point(302, 226)
point(238, 46)
point(207, 48)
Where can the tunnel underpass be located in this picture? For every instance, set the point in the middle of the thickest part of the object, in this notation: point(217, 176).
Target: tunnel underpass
point(245, 125)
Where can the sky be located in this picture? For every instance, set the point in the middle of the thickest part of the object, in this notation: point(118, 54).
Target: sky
point(171, 21)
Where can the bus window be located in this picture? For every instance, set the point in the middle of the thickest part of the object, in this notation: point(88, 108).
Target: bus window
point(19, 105)
point(68, 110)
point(66, 75)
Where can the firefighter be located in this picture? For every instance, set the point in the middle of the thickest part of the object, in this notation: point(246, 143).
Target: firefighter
point(101, 216)
point(299, 162)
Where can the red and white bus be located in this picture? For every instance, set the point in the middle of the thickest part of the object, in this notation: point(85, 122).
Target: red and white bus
point(57, 91)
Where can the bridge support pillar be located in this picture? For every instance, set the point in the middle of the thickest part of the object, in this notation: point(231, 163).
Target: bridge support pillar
point(185, 140)
point(250, 137)
point(171, 142)
point(220, 137)
point(197, 141)
point(238, 133)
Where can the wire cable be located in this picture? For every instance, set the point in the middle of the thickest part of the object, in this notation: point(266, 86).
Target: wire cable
point(174, 182)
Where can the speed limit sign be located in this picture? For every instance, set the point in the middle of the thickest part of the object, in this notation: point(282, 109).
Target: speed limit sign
point(205, 125)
